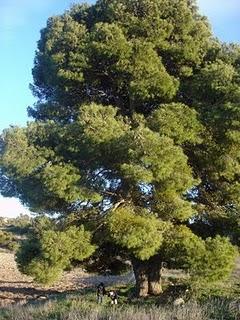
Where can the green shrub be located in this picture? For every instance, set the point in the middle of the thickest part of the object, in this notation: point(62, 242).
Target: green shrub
point(45, 255)
point(5, 238)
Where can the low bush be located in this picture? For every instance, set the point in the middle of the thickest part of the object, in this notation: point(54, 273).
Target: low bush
point(7, 241)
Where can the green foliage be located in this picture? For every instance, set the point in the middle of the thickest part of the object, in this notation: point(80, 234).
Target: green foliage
point(157, 160)
point(27, 251)
point(216, 82)
point(5, 237)
point(147, 73)
point(184, 247)
point(45, 254)
point(110, 144)
point(16, 143)
point(13, 246)
point(218, 260)
point(41, 224)
point(137, 104)
point(62, 179)
point(177, 121)
point(22, 221)
point(169, 205)
point(208, 261)
point(117, 53)
point(102, 127)
point(139, 232)
point(43, 271)
point(8, 241)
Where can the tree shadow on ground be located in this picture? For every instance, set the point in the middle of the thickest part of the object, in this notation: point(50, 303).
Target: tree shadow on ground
point(26, 291)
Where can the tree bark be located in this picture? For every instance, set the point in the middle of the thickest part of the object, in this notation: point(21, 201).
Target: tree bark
point(148, 276)
point(141, 277)
point(155, 279)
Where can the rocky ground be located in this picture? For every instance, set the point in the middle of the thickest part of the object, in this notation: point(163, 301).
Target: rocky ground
point(18, 288)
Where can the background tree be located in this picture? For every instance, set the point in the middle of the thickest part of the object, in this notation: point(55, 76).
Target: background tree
point(135, 136)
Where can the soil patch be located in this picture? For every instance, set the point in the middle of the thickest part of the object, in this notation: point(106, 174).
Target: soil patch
point(16, 287)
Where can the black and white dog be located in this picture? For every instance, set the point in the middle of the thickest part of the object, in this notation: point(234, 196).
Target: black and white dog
point(113, 296)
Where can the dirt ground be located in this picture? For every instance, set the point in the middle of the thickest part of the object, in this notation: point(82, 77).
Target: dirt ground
point(18, 288)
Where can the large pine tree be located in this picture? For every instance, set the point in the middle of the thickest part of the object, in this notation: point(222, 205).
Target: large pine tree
point(135, 136)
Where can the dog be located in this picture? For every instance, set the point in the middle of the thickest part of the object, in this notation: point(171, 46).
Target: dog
point(113, 296)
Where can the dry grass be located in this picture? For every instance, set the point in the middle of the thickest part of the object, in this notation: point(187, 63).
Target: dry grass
point(85, 308)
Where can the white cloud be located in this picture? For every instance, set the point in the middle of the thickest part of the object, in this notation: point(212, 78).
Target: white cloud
point(11, 207)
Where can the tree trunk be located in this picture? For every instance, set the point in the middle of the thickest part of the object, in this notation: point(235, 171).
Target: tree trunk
point(141, 277)
point(148, 276)
point(154, 279)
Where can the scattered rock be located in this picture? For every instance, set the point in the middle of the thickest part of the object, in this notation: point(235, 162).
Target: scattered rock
point(178, 302)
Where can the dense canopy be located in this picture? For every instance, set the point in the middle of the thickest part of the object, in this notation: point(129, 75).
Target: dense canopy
point(135, 135)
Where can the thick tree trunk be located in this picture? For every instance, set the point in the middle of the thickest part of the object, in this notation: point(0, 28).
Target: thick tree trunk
point(148, 277)
point(141, 277)
point(154, 279)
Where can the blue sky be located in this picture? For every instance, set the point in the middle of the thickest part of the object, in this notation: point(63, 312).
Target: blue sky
point(20, 24)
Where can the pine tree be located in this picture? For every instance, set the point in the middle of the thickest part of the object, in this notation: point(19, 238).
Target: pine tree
point(136, 137)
